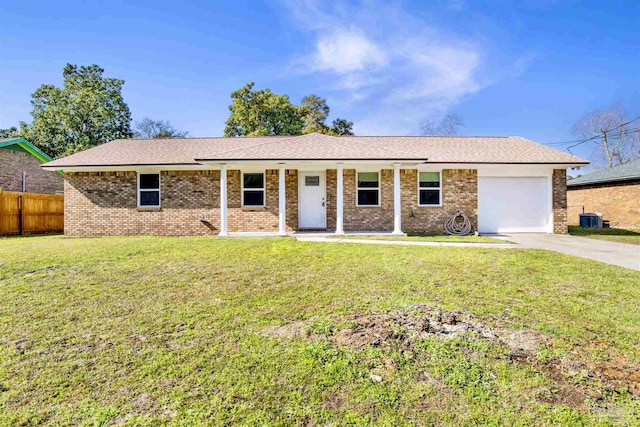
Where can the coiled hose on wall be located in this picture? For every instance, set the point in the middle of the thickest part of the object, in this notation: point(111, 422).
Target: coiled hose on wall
point(458, 224)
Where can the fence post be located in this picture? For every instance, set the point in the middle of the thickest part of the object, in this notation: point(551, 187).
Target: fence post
point(21, 213)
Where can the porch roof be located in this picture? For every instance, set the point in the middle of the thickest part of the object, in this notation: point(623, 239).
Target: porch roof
point(194, 151)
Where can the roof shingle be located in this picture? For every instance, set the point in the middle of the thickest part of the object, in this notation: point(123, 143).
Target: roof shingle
point(623, 172)
point(189, 151)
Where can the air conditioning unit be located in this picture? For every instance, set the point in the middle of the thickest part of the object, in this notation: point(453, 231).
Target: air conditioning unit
point(591, 220)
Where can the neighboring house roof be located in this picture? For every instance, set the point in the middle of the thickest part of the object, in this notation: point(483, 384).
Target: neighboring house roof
point(624, 172)
point(21, 144)
point(431, 149)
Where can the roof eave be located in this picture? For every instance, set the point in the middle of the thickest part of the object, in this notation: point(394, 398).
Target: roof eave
point(603, 181)
point(122, 167)
point(29, 148)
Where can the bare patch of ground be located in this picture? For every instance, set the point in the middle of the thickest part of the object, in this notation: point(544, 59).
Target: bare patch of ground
point(569, 379)
point(417, 321)
point(289, 330)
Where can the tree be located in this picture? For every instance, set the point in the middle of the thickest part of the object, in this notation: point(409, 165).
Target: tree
point(341, 127)
point(615, 138)
point(87, 111)
point(314, 111)
point(448, 126)
point(11, 132)
point(147, 128)
point(261, 113)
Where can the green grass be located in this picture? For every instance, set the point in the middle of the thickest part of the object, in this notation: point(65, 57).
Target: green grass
point(425, 237)
point(621, 235)
point(151, 331)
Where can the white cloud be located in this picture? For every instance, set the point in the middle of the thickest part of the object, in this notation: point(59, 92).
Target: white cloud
point(388, 69)
point(345, 52)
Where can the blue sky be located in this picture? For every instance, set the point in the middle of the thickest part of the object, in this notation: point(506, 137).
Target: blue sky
point(508, 68)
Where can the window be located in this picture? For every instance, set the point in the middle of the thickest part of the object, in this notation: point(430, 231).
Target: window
point(429, 189)
point(368, 186)
point(312, 181)
point(253, 189)
point(149, 190)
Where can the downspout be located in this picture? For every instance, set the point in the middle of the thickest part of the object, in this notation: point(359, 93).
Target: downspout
point(24, 181)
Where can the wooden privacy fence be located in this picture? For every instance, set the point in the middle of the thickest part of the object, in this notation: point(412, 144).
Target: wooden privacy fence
point(25, 213)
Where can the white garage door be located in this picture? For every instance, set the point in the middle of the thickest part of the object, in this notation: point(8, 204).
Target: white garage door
point(512, 205)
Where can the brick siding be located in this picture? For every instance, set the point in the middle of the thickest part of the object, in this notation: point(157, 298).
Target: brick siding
point(459, 192)
point(38, 180)
point(560, 201)
point(105, 203)
point(368, 218)
point(619, 203)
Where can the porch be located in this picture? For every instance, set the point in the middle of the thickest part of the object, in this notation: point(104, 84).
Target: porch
point(319, 194)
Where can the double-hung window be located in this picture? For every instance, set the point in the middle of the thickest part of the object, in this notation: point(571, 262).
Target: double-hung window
point(368, 188)
point(149, 190)
point(253, 189)
point(429, 189)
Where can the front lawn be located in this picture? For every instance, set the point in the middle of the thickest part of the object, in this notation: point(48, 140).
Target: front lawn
point(621, 235)
point(201, 331)
point(424, 237)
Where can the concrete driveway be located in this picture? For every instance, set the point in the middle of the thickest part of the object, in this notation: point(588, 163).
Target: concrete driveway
point(620, 254)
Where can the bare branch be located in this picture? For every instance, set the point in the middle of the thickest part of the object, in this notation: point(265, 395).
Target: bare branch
point(448, 126)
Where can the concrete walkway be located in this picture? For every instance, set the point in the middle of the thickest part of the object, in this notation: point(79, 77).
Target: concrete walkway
point(620, 254)
point(311, 238)
point(614, 253)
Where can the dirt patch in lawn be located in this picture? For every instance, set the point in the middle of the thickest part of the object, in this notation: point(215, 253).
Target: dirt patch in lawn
point(571, 382)
point(402, 328)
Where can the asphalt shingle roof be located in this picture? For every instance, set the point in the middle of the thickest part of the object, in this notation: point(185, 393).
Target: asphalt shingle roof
point(623, 172)
point(189, 151)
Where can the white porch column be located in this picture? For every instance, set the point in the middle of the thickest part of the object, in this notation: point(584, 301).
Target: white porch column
point(397, 207)
point(339, 202)
point(282, 202)
point(223, 201)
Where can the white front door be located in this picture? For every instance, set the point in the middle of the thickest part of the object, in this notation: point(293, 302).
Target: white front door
point(312, 204)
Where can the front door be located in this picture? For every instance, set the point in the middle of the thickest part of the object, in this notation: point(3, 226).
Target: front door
point(312, 206)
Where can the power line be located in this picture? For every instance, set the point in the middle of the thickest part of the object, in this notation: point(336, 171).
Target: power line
point(616, 135)
point(580, 141)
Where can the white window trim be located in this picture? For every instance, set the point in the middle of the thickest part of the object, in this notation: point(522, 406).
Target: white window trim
point(379, 188)
point(264, 188)
point(439, 188)
point(159, 189)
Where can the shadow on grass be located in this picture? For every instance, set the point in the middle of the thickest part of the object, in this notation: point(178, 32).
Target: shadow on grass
point(584, 231)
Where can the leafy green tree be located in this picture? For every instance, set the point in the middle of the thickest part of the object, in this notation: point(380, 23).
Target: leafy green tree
point(147, 128)
point(341, 127)
point(262, 113)
point(87, 111)
point(314, 111)
point(11, 132)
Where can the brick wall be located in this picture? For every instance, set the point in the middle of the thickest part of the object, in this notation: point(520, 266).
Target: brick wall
point(291, 196)
point(38, 180)
point(367, 218)
point(255, 219)
point(332, 183)
point(105, 203)
point(619, 203)
point(560, 201)
point(459, 191)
